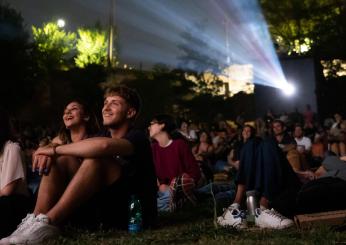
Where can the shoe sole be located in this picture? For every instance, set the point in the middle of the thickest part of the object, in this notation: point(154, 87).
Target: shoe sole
point(276, 228)
point(236, 226)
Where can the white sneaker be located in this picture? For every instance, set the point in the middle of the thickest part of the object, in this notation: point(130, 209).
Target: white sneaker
point(39, 231)
point(234, 217)
point(21, 229)
point(269, 218)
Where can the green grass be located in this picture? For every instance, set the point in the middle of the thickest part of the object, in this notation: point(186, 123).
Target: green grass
point(194, 225)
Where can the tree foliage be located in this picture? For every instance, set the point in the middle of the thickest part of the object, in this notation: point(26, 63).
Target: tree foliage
point(91, 47)
point(16, 66)
point(54, 45)
point(295, 23)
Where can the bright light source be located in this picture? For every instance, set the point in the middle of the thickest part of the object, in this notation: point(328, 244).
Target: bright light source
point(60, 23)
point(304, 48)
point(288, 89)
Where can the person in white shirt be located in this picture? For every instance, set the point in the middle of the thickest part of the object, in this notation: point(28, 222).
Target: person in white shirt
point(15, 200)
point(303, 143)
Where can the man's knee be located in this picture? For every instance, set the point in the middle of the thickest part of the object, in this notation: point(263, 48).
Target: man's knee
point(108, 169)
point(67, 164)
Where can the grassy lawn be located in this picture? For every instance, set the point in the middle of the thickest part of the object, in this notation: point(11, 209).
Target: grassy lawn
point(194, 225)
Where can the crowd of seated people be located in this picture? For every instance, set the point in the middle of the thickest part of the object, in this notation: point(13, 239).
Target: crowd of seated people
point(292, 162)
point(303, 164)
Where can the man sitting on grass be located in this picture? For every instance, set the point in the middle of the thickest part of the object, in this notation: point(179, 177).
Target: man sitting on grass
point(95, 175)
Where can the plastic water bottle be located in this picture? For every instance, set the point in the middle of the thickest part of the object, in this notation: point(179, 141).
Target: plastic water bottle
point(135, 215)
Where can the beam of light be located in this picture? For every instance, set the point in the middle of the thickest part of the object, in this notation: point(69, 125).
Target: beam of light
point(151, 32)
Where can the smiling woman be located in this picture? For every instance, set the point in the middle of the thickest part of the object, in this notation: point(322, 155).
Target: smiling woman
point(79, 122)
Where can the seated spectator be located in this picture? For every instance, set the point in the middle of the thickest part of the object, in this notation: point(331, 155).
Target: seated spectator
point(336, 136)
point(287, 144)
point(283, 139)
point(219, 138)
point(189, 134)
point(247, 133)
point(222, 144)
point(203, 153)
point(97, 175)
point(318, 151)
point(263, 168)
point(177, 170)
point(78, 123)
point(204, 148)
point(303, 145)
point(15, 199)
point(327, 188)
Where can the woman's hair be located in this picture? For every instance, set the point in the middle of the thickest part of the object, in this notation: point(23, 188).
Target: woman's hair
point(92, 125)
point(5, 129)
point(168, 120)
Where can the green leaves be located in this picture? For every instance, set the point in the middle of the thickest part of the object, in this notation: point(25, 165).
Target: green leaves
point(62, 50)
point(91, 47)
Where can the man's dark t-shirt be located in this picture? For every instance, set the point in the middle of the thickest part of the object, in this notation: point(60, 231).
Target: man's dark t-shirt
point(110, 206)
point(139, 174)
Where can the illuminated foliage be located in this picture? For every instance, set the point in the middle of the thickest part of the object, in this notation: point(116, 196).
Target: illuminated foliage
point(206, 83)
point(231, 81)
point(299, 25)
point(91, 47)
point(54, 45)
point(333, 68)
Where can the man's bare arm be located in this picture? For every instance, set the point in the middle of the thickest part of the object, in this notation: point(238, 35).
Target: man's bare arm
point(90, 148)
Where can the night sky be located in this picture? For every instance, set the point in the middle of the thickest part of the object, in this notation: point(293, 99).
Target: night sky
point(150, 30)
point(142, 25)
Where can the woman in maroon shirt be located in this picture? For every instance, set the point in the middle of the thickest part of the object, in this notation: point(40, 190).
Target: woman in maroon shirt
point(176, 168)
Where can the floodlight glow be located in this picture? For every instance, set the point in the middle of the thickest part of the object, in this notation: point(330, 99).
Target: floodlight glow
point(288, 89)
point(232, 33)
point(61, 23)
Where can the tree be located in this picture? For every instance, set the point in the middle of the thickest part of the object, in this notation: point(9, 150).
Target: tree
point(53, 46)
point(205, 82)
point(298, 26)
point(16, 66)
point(91, 47)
